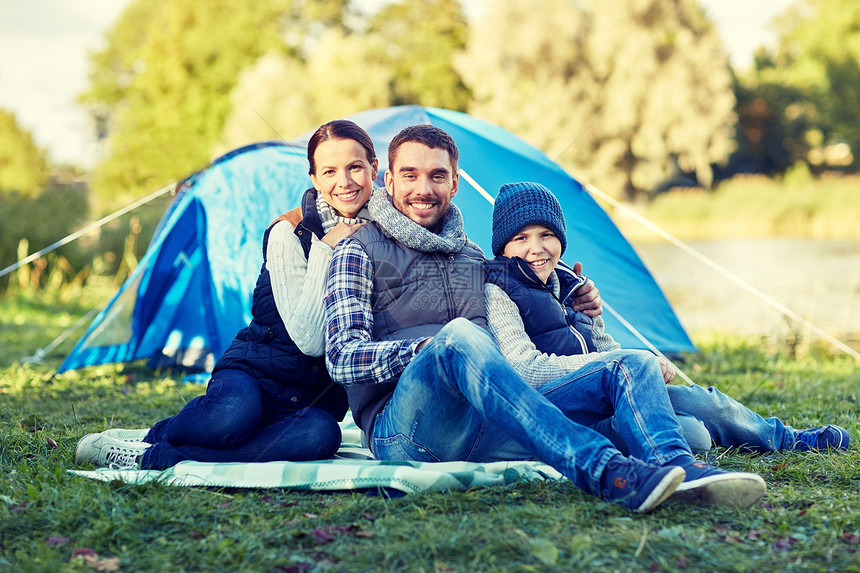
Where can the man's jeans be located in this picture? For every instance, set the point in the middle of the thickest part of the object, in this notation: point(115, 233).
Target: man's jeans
point(241, 419)
point(458, 399)
point(708, 415)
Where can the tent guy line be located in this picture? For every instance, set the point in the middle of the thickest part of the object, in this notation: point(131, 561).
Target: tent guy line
point(169, 188)
point(725, 272)
point(647, 342)
point(181, 315)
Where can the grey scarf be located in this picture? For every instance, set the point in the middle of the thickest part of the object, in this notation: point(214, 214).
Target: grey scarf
point(450, 239)
point(329, 218)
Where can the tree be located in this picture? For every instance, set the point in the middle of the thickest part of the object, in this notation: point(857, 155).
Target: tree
point(402, 54)
point(23, 167)
point(419, 39)
point(281, 97)
point(625, 95)
point(817, 66)
point(161, 88)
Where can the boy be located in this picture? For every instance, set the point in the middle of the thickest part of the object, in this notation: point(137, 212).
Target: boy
point(528, 308)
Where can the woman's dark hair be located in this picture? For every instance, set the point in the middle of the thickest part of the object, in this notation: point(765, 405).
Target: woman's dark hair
point(339, 129)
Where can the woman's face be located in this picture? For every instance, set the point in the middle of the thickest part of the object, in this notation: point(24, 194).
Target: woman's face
point(343, 175)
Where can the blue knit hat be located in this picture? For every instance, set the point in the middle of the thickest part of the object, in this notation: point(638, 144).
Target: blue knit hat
point(521, 204)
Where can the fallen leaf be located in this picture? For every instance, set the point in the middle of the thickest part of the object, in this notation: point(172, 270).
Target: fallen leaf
point(52, 444)
point(322, 536)
point(851, 537)
point(56, 540)
point(783, 543)
point(108, 564)
point(82, 552)
point(270, 499)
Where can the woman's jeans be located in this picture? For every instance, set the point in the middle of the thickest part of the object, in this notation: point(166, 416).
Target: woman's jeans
point(459, 399)
point(708, 415)
point(241, 419)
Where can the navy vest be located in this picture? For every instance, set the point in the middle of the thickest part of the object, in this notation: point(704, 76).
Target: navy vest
point(264, 348)
point(415, 294)
point(550, 321)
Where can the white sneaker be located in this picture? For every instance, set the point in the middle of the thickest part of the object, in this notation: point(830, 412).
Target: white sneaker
point(106, 452)
point(705, 484)
point(126, 435)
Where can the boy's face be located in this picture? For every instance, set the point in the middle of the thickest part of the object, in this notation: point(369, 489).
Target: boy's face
point(537, 246)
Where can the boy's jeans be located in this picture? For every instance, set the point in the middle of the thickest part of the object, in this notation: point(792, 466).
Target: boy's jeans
point(458, 399)
point(241, 419)
point(708, 415)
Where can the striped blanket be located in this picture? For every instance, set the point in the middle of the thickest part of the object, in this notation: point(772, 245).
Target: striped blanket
point(353, 468)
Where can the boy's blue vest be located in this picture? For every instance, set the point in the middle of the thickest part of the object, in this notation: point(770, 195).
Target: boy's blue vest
point(550, 321)
point(264, 348)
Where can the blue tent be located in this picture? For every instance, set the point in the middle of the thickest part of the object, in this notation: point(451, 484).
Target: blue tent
point(191, 292)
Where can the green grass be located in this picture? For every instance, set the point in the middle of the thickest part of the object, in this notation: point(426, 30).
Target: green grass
point(809, 521)
point(754, 206)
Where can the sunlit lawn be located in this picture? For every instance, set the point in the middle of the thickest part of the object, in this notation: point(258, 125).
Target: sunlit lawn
point(53, 521)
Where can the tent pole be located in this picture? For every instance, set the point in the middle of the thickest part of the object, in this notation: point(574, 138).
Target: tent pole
point(725, 272)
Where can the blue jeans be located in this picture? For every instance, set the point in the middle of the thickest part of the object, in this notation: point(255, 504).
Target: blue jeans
point(458, 399)
point(708, 415)
point(241, 419)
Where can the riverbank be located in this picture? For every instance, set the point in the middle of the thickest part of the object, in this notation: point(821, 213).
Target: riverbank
point(818, 280)
point(752, 206)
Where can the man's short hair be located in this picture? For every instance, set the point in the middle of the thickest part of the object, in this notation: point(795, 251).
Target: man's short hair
point(428, 135)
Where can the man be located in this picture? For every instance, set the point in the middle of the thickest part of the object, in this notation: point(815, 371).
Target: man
point(406, 336)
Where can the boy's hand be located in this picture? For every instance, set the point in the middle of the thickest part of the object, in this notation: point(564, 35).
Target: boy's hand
point(587, 299)
point(667, 369)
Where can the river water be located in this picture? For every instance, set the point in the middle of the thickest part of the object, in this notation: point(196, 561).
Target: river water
point(817, 280)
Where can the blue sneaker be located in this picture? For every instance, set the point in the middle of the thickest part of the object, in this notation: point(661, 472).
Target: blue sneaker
point(821, 438)
point(637, 485)
point(705, 484)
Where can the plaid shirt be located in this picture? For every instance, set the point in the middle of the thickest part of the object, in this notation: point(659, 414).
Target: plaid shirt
point(352, 356)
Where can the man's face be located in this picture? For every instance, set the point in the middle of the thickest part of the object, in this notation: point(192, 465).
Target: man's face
point(421, 182)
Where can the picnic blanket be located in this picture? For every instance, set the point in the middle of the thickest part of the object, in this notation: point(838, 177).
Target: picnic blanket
point(353, 468)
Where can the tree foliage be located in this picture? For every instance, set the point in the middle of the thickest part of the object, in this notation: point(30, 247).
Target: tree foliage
point(281, 97)
point(419, 40)
point(23, 167)
point(402, 54)
point(816, 71)
point(625, 95)
point(161, 88)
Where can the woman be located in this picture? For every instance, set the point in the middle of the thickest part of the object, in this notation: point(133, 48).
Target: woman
point(270, 396)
